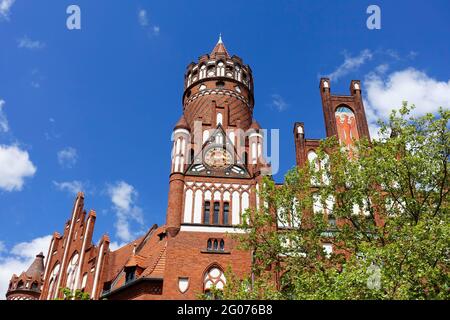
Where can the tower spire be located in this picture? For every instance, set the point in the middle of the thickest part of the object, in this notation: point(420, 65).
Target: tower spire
point(220, 49)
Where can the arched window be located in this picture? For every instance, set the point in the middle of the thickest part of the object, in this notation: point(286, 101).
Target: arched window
point(20, 285)
point(52, 282)
point(35, 286)
point(214, 278)
point(226, 212)
point(222, 245)
point(84, 282)
point(238, 73)
point(72, 269)
point(216, 245)
point(219, 118)
point(220, 69)
point(216, 212)
point(202, 72)
point(209, 246)
point(211, 71)
point(207, 212)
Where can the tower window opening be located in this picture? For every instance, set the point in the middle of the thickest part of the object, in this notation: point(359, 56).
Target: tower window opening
point(226, 212)
point(216, 212)
point(207, 212)
point(34, 286)
point(209, 246)
point(215, 245)
point(192, 156)
point(220, 84)
point(219, 118)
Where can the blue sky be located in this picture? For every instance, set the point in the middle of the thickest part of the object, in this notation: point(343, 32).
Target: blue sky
point(95, 107)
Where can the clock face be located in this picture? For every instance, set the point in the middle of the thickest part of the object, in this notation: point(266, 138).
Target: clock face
point(218, 157)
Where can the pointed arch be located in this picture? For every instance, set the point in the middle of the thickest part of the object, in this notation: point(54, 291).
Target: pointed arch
point(72, 270)
point(54, 275)
point(213, 276)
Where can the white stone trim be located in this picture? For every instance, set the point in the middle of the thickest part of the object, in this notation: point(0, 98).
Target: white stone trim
point(182, 131)
point(185, 228)
point(97, 271)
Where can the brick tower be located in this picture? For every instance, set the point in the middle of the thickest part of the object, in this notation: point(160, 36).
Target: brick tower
point(216, 166)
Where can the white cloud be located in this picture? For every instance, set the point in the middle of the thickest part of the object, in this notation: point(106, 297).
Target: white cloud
point(2, 247)
point(4, 127)
point(350, 64)
point(72, 187)
point(113, 246)
point(26, 43)
point(19, 258)
point(15, 167)
point(144, 22)
point(67, 157)
point(5, 8)
point(278, 102)
point(382, 68)
point(384, 93)
point(143, 18)
point(123, 197)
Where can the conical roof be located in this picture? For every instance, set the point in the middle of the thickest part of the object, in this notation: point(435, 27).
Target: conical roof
point(219, 49)
point(36, 269)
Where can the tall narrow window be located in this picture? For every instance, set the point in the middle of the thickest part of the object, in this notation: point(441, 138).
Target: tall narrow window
point(209, 245)
point(216, 212)
point(192, 156)
point(226, 212)
point(206, 213)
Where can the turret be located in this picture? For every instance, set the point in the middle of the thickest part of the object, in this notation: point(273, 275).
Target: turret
point(28, 285)
point(216, 82)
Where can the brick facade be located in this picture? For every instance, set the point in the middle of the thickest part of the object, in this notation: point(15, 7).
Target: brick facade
point(216, 170)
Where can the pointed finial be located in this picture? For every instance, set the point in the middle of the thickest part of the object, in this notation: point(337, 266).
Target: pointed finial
point(220, 38)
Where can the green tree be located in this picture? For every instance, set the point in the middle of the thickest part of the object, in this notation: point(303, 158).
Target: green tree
point(73, 295)
point(384, 207)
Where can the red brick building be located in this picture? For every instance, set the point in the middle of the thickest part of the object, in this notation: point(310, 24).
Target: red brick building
point(217, 165)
